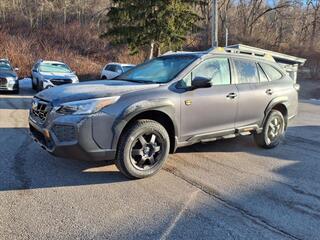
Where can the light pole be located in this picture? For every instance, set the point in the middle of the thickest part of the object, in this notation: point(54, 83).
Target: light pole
point(214, 23)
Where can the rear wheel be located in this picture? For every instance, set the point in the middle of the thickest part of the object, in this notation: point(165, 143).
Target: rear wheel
point(142, 149)
point(273, 131)
point(104, 78)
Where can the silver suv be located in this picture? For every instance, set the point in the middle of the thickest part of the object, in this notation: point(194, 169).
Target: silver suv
point(171, 101)
point(47, 74)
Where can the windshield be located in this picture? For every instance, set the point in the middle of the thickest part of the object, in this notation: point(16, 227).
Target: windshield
point(54, 67)
point(158, 70)
point(5, 66)
point(126, 68)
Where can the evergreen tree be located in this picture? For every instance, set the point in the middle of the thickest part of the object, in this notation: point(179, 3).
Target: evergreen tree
point(154, 23)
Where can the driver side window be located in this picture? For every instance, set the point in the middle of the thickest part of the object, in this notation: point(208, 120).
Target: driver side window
point(216, 69)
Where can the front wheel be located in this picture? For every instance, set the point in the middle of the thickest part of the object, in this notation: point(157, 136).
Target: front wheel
point(143, 149)
point(39, 86)
point(273, 131)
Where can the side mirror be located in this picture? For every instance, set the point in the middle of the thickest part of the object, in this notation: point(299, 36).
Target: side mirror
point(201, 82)
point(16, 69)
point(34, 70)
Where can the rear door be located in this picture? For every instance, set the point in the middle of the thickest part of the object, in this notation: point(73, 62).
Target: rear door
point(281, 85)
point(209, 110)
point(254, 93)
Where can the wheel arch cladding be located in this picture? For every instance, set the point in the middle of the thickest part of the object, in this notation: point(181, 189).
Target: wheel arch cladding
point(279, 104)
point(159, 110)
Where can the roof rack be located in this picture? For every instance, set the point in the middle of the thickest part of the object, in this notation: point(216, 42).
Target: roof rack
point(278, 57)
point(242, 51)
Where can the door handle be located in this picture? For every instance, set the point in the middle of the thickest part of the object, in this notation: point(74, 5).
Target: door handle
point(232, 95)
point(269, 91)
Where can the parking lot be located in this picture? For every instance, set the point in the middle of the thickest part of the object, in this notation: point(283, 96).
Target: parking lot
point(222, 190)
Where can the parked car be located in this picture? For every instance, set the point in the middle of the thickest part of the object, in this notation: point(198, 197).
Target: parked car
point(169, 102)
point(46, 74)
point(113, 70)
point(8, 77)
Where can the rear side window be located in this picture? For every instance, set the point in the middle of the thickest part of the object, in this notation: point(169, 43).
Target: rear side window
point(262, 75)
point(118, 69)
point(111, 68)
point(247, 71)
point(271, 71)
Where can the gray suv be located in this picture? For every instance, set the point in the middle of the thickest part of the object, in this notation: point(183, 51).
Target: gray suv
point(172, 101)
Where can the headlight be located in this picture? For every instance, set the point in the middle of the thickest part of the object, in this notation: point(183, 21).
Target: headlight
point(86, 106)
point(75, 79)
point(11, 79)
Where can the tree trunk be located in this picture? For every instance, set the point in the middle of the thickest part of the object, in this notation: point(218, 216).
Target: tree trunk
point(158, 50)
point(151, 49)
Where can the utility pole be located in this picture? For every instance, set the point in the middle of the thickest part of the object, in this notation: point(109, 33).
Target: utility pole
point(214, 23)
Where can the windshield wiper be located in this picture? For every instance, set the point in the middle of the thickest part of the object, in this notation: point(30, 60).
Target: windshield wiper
point(135, 81)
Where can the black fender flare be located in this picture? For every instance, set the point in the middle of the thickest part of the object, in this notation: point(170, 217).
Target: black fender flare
point(278, 100)
point(162, 105)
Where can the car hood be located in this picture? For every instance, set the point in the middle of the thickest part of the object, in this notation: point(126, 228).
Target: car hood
point(5, 74)
point(52, 75)
point(90, 90)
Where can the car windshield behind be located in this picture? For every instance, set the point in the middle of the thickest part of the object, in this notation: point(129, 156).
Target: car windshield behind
point(54, 67)
point(5, 66)
point(126, 68)
point(158, 70)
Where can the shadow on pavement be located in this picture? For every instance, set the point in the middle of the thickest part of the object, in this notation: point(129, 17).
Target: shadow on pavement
point(24, 165)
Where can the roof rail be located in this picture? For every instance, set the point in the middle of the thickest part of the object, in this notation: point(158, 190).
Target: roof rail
point(241, 51)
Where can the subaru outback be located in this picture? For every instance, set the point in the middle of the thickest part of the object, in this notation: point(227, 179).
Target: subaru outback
point(172, 101)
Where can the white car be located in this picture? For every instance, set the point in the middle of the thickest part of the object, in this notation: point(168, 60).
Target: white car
point(112, 70)
point(46, 74)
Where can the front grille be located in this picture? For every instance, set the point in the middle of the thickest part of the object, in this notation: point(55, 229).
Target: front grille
point(40, 110)
point(3, 82)
point(64, 133)
point(60, 81)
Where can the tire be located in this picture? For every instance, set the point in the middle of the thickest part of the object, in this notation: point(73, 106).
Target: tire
point(33, 85)
point(143, 149)
point(104, 78)
point(273, 131)
point(39, 86)
point(17, 91)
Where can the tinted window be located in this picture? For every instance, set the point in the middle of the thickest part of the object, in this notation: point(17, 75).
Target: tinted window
point(247, 71)
point(118, 69)
point(4, 65)
point(262, 75)
point(215, 69)
point(111, 68)
point(272, 72)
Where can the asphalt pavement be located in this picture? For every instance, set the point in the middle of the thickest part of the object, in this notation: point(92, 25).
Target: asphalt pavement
point(227, 189)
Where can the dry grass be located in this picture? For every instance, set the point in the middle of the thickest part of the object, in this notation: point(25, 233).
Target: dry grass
point(79, 47)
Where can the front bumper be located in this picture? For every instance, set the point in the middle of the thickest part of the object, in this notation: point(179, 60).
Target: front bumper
point(14, 86)
point(74, 137)
point(53, 83)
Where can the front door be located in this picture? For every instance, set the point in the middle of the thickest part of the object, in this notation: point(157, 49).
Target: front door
point(209, 110)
